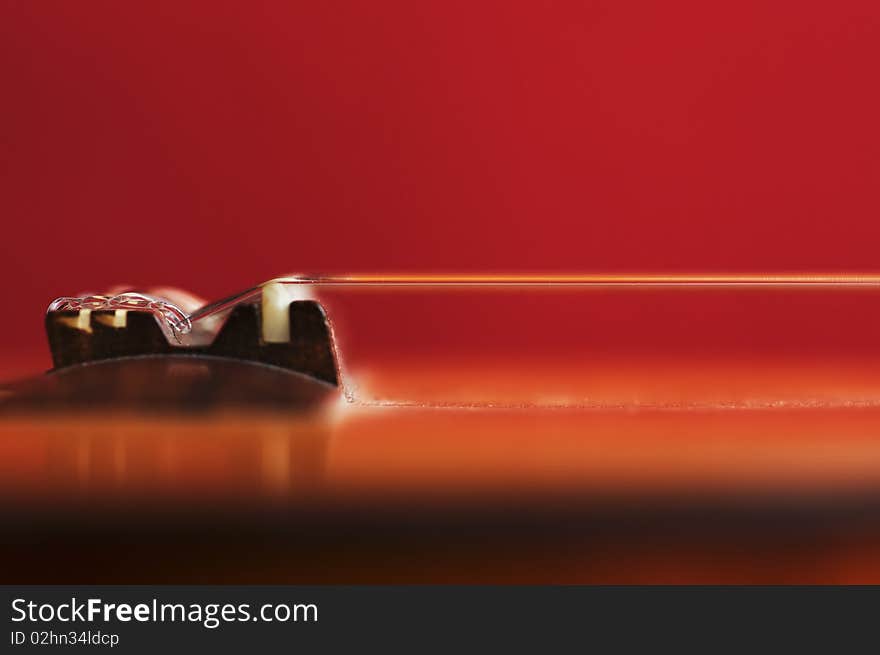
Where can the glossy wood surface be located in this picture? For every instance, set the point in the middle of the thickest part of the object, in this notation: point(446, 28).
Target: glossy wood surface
point(693, 473)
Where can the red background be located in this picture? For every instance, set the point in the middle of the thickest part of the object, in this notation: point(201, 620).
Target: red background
point(212, 145)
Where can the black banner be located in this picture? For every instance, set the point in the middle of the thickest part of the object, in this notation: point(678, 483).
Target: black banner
point(146, 619)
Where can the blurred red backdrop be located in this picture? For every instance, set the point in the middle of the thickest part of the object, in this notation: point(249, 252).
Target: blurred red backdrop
point(211, 145)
